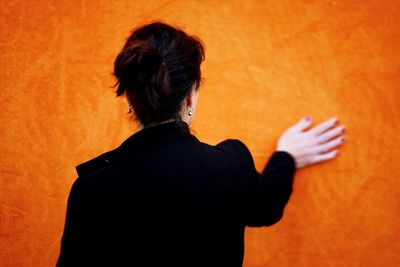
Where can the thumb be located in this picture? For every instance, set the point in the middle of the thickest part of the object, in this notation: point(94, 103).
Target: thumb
point(302, 124)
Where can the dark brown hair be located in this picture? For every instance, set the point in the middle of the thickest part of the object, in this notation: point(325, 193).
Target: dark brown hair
point(156, 70)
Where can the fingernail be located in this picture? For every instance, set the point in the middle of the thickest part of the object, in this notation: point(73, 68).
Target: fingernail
point(308, 118)
point(343, 130)
point(342, 140)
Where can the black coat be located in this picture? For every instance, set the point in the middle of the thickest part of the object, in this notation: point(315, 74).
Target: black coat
point(163, 198)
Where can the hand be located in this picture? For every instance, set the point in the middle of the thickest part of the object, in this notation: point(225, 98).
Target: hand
point(312, 146)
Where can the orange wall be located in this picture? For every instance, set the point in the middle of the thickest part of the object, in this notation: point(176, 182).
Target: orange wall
point(268, 64)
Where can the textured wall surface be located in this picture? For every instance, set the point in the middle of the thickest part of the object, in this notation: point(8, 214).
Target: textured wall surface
point(268, 64)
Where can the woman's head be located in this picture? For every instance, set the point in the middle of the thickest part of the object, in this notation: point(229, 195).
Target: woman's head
point(158, 70)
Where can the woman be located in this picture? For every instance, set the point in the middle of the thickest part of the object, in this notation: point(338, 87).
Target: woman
point(163, 198)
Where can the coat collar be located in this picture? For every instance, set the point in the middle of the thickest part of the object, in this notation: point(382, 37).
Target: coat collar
point(160, 135)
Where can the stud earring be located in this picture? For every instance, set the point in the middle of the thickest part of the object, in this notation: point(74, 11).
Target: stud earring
point(190, 112)
point(130, 109)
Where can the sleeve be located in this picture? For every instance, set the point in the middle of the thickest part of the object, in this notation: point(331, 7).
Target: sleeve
point(267, 193)
point(72, 237)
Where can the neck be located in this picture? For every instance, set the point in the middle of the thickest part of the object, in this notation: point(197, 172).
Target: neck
point(157, 123)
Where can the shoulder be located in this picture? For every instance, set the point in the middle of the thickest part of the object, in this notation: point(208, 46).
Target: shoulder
point(236, 150)
point(96, 164)
point(233, 146)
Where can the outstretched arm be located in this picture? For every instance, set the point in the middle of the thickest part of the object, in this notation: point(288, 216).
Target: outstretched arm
point(270, 191)
point(298, 147)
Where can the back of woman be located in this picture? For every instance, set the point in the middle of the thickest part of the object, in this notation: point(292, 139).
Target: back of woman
point(164, 198)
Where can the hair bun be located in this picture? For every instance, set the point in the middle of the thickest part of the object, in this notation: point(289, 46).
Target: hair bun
point(135, 64)
point(141, 69)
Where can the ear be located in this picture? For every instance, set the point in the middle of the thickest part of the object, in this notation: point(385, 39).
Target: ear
point(191, 99)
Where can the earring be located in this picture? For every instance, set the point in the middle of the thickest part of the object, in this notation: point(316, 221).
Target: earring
point(190, 112)
point(130, 109)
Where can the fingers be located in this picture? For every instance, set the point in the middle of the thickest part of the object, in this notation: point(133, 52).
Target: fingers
point(302, 124)
point(310, 146)
point(326, 156)
point(328, 135)
point(322, 127)
point(328, 145)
